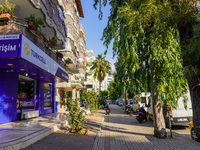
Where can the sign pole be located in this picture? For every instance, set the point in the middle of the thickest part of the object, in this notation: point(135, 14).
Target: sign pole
point(170, 125)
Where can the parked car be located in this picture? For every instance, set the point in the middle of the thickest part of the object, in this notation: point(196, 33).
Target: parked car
point(180, 115)
point(194, 135)
point(121, 100)
point(121, 103)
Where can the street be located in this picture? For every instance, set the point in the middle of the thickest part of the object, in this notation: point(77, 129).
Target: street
point(119, 131)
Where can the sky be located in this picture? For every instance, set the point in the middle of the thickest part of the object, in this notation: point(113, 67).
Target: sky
point(94, 29)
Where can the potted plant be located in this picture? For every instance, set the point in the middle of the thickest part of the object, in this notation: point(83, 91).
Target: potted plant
point(68, 61)
point(52, 42)
point(6, 11)
point(33, 22)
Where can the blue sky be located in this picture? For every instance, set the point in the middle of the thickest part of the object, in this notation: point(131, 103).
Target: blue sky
point(94, 28)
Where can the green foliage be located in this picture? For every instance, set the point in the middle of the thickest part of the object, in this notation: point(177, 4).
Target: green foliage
point(91, 99)
point(104, 94)
point(69, 103)
point(7, 8)
point(114, 90)
point(38, 21)
point(53, 41)
point(76, 117)
point(100, 67)
point(147, 42)
point(68, 61)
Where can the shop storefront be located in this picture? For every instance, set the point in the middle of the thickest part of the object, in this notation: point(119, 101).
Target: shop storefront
point(27, 79)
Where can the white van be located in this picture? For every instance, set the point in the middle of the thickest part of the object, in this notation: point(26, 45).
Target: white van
point(140, 100)
point(180, 116)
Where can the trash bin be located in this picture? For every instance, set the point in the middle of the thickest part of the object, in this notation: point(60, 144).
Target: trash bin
point(57, 105)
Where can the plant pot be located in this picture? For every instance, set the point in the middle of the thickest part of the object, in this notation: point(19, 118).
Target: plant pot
point(32, 25)
point(50, 44)
point(5, 16)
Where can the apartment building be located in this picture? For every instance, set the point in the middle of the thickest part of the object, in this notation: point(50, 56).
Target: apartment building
point(90, 83)
point(42, 56)
point(75, 55)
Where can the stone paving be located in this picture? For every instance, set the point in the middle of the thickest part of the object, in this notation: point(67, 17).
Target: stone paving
point(122, 132)
point(60, 140)
point(119, 131)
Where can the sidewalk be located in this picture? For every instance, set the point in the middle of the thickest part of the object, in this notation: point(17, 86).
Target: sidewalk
point(119, 132)
point(60, 140)
point(122, 132)
point(20, 134)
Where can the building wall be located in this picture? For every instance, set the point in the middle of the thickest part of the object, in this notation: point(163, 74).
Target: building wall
point(8, 96)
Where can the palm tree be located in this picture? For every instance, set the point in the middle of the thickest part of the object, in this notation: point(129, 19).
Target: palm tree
point(100, 67)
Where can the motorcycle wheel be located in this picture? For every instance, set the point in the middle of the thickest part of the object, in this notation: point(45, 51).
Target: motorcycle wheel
point(140, 119)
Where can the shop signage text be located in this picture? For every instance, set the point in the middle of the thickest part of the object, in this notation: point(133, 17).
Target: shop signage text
point(9, 45)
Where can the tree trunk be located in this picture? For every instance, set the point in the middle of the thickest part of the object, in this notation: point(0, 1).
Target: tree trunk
point(194, 88)
point(99, 89)
point(158, 118)
point(186, 33)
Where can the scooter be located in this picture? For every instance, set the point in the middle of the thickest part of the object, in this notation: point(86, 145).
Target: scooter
point(107, 110)
point(128, 109)
point(141, 115)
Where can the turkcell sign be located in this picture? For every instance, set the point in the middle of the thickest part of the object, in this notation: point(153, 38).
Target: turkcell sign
point(9, 45)
point(36, 56)
point(26, 103)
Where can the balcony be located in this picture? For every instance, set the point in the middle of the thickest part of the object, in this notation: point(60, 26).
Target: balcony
point(72, 35)
point(42, 9)
point(71, 60)
point(55, 15)
point(82, 32)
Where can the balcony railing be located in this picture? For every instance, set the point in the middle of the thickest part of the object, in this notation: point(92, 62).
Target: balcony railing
point(54, 14)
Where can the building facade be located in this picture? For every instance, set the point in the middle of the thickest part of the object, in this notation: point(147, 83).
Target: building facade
point(106, 82)
point(35, 71)
point(90, 82)
point(74, 55)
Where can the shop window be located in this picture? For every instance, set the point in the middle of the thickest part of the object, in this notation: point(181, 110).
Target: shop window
point(25, 87)
point(26, 93)
point(47, 95)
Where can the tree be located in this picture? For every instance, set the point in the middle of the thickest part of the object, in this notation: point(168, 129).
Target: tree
point(104, 94)
point(113, 90)
point(148, 34)
point(100, 67)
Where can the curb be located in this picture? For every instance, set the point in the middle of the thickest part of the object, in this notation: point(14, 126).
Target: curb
point(97, 136)
point(31, 138)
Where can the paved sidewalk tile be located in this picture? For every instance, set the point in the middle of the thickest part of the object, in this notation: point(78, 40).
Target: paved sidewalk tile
point(66, 141)
point(122, 132)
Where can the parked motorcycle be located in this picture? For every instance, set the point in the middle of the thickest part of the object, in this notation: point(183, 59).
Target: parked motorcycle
point(128, 109)
point(107, 110)
point(141, 115)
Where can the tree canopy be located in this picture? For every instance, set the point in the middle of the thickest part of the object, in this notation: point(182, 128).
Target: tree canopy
point(147, 41)
point(100, 67)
